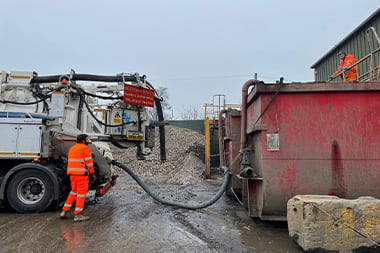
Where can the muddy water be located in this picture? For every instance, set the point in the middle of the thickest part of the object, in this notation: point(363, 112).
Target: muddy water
point(128, 220)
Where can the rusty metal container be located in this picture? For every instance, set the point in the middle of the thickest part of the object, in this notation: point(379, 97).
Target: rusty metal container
point(230, 141)
point(309, 138)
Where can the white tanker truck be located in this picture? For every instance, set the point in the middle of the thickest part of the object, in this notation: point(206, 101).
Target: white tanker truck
point(40, 117)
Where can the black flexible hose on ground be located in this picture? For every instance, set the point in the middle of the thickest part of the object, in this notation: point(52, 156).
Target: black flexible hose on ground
point(163, 201)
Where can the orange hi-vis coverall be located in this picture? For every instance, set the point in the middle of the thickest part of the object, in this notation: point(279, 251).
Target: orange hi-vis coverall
point(80, 165)
point(350, 74)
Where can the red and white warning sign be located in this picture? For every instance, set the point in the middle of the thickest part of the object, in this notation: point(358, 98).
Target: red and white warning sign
point(138, 95)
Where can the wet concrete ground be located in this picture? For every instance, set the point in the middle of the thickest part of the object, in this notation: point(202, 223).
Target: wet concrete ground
point(129, 220)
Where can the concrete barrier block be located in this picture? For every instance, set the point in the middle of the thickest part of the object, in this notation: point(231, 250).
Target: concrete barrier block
point(334, 224)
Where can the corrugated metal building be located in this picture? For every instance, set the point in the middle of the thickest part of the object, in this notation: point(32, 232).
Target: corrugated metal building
point(363, 43)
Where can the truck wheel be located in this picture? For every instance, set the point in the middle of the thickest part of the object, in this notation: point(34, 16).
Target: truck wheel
point(30, 191)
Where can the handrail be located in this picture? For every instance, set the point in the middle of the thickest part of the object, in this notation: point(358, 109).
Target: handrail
point(362, 76)
point(373, 72)
point(353, 65)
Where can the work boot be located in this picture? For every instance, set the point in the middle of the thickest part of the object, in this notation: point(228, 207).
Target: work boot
point(80, 217)
point(63, 214)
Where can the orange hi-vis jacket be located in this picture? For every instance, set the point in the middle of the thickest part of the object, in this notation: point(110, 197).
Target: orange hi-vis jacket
point(80, 160)
point(348, 61)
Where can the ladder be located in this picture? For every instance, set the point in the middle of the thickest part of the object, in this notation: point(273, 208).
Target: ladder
point(374, 68)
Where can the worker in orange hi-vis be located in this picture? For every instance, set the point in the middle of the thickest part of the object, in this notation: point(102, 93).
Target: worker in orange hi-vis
point(346, 61)
point(80, 167)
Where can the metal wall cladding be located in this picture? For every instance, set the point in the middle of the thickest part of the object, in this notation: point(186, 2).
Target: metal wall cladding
point(360, 43)
point(196, 125)
point(313, 139)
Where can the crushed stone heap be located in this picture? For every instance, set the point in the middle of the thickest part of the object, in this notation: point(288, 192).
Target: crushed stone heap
point(184, 157)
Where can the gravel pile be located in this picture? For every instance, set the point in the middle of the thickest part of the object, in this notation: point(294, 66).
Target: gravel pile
point(184, 158)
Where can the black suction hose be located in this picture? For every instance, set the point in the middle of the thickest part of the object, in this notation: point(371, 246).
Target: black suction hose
point(85, 77)
point(163, 201)
point(161, 128)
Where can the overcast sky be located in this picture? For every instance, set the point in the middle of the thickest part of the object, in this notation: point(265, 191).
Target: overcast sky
point(195, 49)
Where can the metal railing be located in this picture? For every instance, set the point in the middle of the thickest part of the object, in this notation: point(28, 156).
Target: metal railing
point(374, 67)
point(211, 111)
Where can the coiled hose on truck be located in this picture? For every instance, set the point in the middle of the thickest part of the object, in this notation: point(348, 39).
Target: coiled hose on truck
point(163, 201)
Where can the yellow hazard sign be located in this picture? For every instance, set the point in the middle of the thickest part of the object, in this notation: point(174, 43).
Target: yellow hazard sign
point(135, 137)
point(117, 118)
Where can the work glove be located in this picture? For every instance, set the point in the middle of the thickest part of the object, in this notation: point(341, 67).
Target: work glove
point(345, 68)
